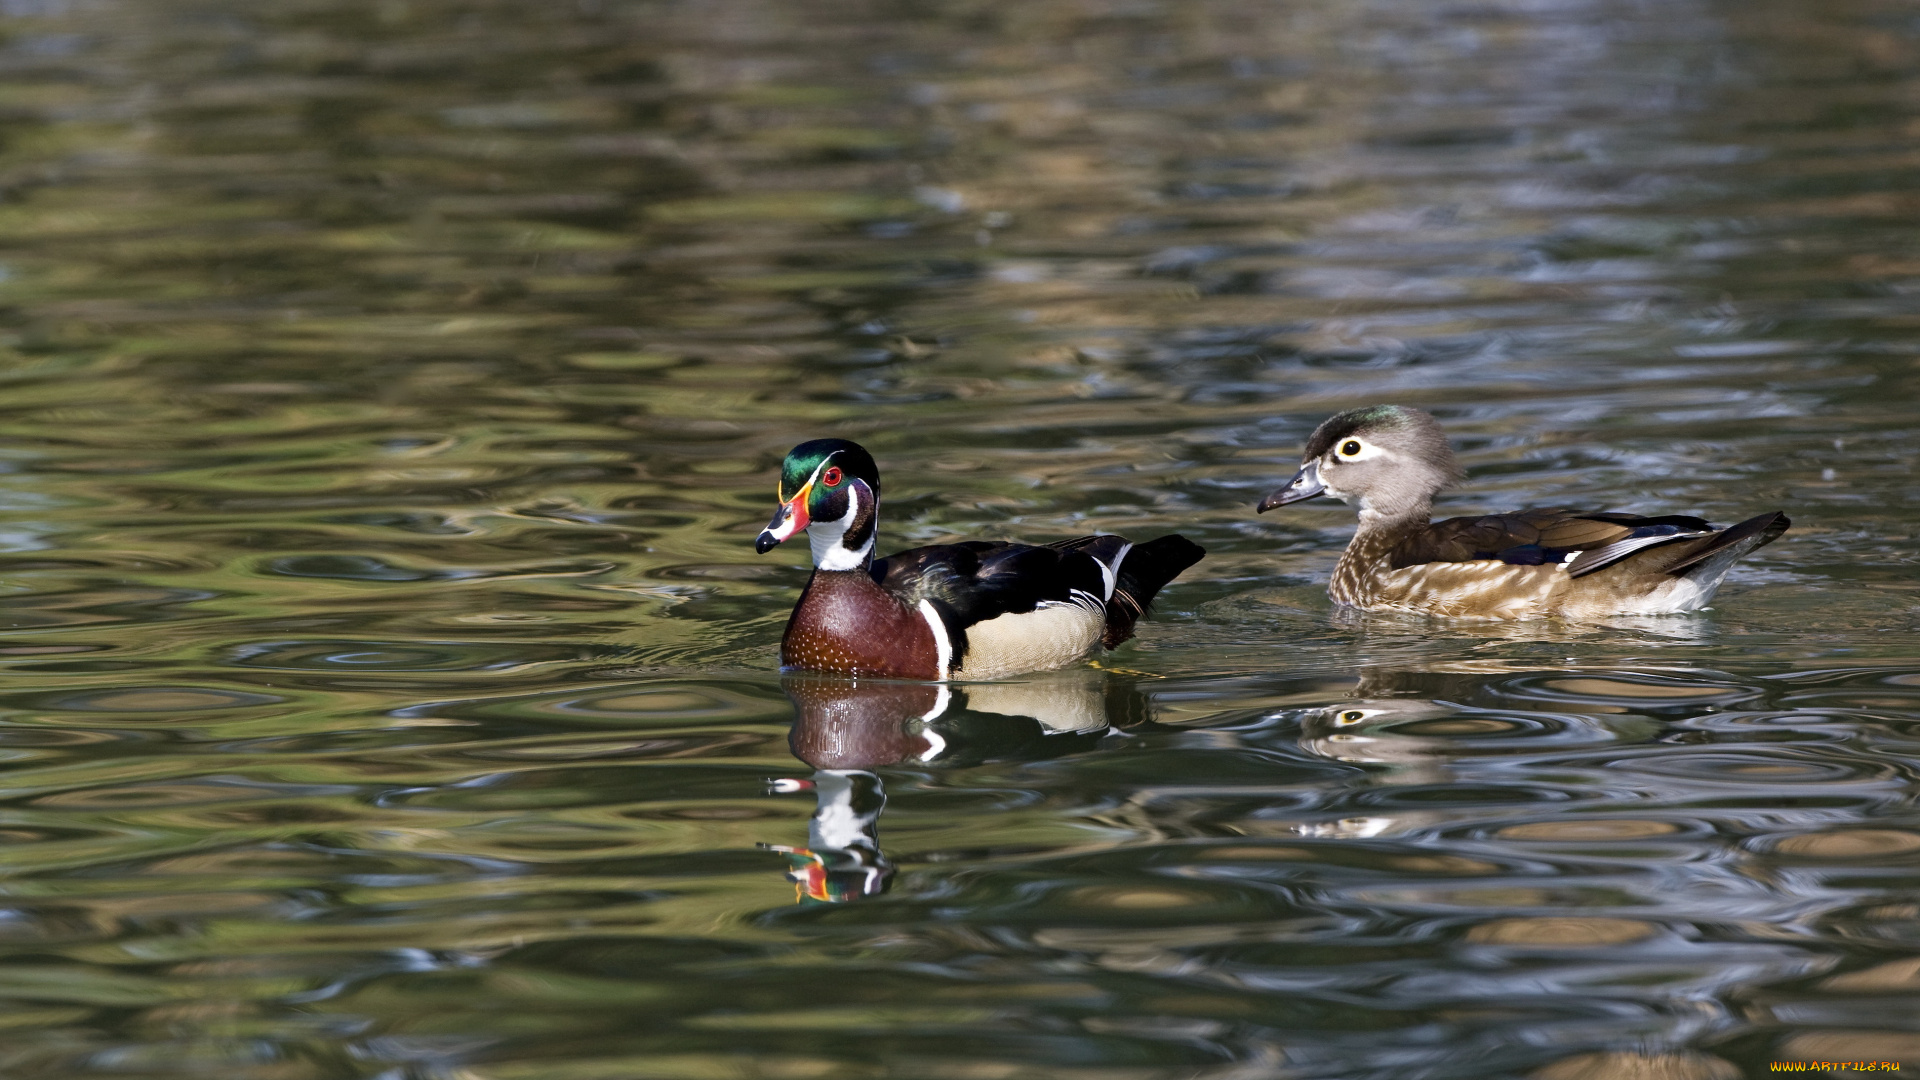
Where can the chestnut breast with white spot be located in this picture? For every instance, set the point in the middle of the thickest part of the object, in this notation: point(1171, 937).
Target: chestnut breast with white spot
point(846, 623)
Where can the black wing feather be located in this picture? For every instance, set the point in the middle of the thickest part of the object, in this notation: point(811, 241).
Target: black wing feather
point(971, 582)
point(983, 579)
point(1147, 567)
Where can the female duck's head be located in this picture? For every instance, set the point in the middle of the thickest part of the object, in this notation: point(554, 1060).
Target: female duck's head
point(1387, 459)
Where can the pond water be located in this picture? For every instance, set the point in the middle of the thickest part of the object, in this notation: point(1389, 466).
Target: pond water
point(393, 390)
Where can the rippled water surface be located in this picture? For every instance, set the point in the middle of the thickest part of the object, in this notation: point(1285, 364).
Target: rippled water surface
point(392, 391)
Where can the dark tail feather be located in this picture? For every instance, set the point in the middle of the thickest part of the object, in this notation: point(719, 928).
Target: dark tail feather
point(1724, 548)
point(1145, 570)
point(1103, 547)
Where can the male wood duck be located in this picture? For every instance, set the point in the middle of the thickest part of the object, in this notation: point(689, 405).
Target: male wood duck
point(1534, 563)
point(973, 610)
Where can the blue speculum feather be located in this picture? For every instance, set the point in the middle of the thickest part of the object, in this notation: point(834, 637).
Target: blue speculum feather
point(1525, 555)
point(1538, 554)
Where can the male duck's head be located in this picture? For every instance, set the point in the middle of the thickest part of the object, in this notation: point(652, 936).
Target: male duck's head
point(831, 489)
point(1388, 459)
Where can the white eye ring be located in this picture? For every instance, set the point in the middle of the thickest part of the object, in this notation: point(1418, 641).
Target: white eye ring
point(1353, 449)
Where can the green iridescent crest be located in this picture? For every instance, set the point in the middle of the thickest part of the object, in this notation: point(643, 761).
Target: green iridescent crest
point(804, 461)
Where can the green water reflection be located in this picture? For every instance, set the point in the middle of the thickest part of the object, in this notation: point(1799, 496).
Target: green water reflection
point(390, 392)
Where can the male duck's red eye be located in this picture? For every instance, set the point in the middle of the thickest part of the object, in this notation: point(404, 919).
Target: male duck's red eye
point(831, 477)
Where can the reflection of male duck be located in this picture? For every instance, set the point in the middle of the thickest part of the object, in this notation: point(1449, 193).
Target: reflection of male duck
point(845, 727)
point(842, 858)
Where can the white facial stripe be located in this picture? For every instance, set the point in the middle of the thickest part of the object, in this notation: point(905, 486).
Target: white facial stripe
point(817, 470)
point(853, 508)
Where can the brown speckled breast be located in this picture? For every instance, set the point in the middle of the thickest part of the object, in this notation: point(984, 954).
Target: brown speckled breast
point(848, 624)
point(1356, 575)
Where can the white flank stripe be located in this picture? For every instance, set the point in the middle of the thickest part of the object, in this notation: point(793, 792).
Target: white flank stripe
point(941, 642)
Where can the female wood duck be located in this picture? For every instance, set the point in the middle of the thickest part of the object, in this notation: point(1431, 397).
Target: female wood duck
point(973, 610)
point(1533, 563)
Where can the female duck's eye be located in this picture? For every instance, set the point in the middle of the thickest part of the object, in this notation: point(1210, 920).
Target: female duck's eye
point(1349, 448)
point(831, 477)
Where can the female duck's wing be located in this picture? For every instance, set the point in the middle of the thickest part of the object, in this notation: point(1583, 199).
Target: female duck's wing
point(1586, 542)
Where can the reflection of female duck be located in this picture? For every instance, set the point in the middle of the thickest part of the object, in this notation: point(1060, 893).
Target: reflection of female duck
point(1460, 716)
point(1362, 731)
point(845, 727)
point(1419, 721)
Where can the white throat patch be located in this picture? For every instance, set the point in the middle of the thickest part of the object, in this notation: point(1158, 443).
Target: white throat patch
point(825, 536)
